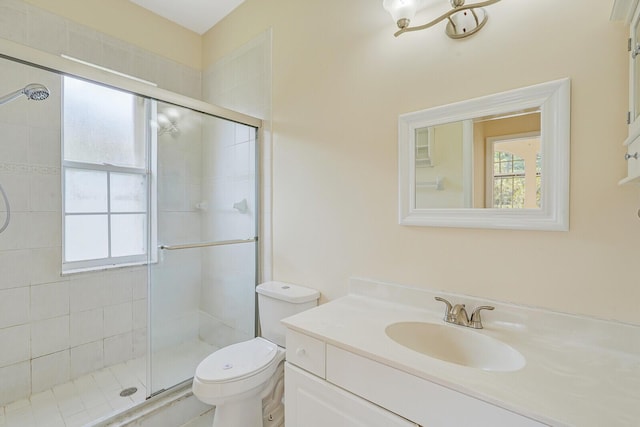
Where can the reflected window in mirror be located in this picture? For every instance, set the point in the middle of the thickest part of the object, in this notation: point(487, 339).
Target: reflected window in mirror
point(499, 161)
point(516, 172)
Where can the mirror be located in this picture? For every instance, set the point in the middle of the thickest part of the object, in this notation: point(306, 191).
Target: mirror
point(500, 161)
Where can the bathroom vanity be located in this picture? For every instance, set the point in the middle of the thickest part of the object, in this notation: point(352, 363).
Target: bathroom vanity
point(346, 367)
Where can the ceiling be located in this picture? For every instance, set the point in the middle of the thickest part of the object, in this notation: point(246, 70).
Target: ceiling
point(197, 15)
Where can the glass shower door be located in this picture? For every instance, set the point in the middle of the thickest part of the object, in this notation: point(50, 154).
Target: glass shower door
point(203, 277)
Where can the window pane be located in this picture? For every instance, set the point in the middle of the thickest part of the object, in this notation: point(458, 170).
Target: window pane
point(128, 193)
point(86, 237)
point(85, 191)
point(128, 235)
point(99, 125)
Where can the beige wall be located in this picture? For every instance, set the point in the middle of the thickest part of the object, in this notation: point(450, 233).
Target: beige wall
point(129, 22)
point(340, 79)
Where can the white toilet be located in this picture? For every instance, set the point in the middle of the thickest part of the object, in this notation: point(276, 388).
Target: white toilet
point(238, 377)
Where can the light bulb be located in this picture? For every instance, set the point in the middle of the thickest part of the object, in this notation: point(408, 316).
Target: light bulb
point(401, 9)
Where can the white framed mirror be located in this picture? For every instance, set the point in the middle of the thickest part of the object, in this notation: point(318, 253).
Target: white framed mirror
point(500, 161)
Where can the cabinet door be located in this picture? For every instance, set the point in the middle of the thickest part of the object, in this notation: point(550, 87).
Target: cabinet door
point(312, 402)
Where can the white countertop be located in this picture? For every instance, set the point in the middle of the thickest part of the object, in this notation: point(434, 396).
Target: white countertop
point(579, 372)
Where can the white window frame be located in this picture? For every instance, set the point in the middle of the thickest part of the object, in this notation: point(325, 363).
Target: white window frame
point(143, 113)
point(489, 160)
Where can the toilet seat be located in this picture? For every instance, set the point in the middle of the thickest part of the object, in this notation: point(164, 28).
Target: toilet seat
point(237, 361)
point(236, 370)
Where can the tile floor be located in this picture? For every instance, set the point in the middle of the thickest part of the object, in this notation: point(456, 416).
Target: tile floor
point(97, 395)
point(80, 401)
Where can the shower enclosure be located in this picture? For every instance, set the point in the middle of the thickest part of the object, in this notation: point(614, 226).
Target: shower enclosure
point(130, 247)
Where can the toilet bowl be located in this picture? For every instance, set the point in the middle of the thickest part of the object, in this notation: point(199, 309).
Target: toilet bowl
point(236, 378)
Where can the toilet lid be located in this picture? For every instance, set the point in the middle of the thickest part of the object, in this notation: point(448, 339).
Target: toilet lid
point(236, 361)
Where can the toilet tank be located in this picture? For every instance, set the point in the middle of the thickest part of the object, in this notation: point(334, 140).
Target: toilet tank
point(277, 300)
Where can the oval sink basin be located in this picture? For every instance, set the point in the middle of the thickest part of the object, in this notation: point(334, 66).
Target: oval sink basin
point(458, 345)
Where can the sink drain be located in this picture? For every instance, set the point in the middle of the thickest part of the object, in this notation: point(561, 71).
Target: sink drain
point(128, 391)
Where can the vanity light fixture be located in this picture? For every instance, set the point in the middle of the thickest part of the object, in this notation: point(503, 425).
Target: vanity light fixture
point(464, 20)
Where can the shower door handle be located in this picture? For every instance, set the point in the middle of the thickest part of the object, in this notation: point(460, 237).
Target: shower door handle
point(207, 244)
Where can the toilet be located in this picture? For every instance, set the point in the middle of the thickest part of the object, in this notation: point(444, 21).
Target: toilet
point(237, 378)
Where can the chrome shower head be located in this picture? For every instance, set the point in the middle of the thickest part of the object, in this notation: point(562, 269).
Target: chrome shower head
point(34, 91)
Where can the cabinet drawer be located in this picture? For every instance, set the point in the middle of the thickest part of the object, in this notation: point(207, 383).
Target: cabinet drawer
point(414, 398)
point(633, 163)
point(306, 352)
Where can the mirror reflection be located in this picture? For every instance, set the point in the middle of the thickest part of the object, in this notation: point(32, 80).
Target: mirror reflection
point(485, 162)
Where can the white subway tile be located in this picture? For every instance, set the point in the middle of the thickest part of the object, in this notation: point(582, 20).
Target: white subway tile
point(44, 230)
point(86, 326)
point(46, 31)
point(15, 268)
point(45, 193)
point(86, 358)
point(168, 74)
point(13, 21)
point(118, 319)
point(50, 370)
point(118, 349)
point(118, 289)
point(44, 143)
point(84, 43)
point(14, 307)
point(86, 292)
point(49, 336)
point(15, 345)
point(139, 286)
point(139, 342)
point(45, 265)
point(13, 237)
point(16, 186)
point(14, 143)
point(50, 300)
point(117, 55)
point(16, 382)
point(144, 65)
point(139, 314)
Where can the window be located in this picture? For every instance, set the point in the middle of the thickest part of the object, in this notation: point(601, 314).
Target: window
point(515, 173)
point(105, 180)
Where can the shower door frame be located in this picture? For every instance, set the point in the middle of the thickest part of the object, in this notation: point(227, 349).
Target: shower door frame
point(66, 67)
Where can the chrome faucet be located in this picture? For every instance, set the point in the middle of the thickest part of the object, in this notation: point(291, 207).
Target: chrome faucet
point(457, 314)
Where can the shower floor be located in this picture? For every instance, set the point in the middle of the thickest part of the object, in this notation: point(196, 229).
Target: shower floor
point(97, 395)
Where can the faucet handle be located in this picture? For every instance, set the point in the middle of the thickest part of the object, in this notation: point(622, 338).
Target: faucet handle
point(448, 314)
point(476, 321)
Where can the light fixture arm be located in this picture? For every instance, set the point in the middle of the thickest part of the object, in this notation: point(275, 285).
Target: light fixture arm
point(445, 16)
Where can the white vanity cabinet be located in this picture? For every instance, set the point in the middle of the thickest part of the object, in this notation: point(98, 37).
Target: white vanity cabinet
point(326, 385)
point(311, 401)
point(629, 11)
point(314, 402)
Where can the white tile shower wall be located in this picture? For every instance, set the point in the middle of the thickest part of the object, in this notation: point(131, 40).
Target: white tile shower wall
point(227, 297)
point(52, 325)
point(242, 81)
point(29, 25)
point(60, 327)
